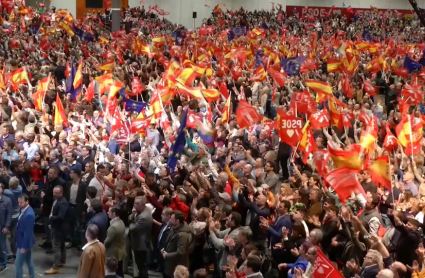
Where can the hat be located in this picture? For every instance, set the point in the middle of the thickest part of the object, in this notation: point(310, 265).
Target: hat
point(225, 196)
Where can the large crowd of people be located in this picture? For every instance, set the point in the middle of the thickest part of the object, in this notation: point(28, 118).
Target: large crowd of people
point(262, 144)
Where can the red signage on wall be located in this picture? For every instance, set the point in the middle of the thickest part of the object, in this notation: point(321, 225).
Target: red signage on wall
point(322, 11)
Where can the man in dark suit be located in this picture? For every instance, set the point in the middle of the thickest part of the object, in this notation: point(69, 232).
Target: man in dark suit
point(140, 234)
point(98, 217)
point(86, 156)
point(75, 193)
point(111, 267)
point(115, 239)
point(176, 251)
point(163, 235)
point(59, 226)
point(24, 237)
point(46, 207)
point(5, 222)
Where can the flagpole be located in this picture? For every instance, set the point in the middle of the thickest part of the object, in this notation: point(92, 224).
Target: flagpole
point(391, 178)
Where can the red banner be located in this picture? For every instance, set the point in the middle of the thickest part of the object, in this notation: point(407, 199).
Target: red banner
point(290, 129)
point(323, 267)
point(321, 11)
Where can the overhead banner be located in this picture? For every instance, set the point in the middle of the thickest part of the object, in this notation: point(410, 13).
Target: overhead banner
point(323, 11)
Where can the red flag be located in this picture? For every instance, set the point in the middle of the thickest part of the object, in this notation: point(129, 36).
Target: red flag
point(124, 133)
point(324, 268)
point(320, 119)
point(320, 158)
point(192, 117)
point(277, 76)
point(136, 87)
point(346, 87)
point(412, 94)
point(90, 91)
point(390, 141)
point(290, 129)
point(344, 182)
point(139, 125)
point(246, 115)
point(116, 122)
point(223, 89)
point(302, 102)
point(369, 88)
point(347, 118)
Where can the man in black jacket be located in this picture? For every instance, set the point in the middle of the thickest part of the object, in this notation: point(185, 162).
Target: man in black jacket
point(58, 224)
point(410, 237)
point(46, 207)
point(75, 194)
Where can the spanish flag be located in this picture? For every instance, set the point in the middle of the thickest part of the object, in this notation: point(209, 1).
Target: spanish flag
point(60, 117)
point(319, 86)
point(380, 171)
point(78, 79)
point(335, 114)
point(225, 118)
point(43, 84)
point(108, 66)
point(362, 46)
point(38, 100)
point(159, 40)
point(333, 65)
point(403, 131)
point(189, 91)
point(64, 26)
point(211, 94)
point(186, 76)
point(257, 31)
point(307, 143)
point(18, 77)
point(368, 138)
point(351, 159)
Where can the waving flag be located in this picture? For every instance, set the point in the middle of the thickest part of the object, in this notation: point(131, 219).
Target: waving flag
point(319, 86)
point(307, 143)
point(178, 145)
point(60, 117)
point(17, 77)
point(411, 65)
point(107, 66)
point(346, 158)
point(320, 119)
point(344, 181)
point(204, 132)
point(246, 115)
point(292, 66)
point(133, 106)
point(225, 118)
point(78, 79)
point(390, 141)
point(380, 171)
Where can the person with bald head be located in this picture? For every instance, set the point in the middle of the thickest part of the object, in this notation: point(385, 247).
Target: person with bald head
point(140, 234)
point(253, 211)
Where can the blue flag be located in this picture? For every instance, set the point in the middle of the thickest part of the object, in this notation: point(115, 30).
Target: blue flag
point(411, 65)
point(366, 36)
point(178, 144)
point(292, 66)
point(236, 32)
point(133, 106)
point(264, 25)
point(70, 83)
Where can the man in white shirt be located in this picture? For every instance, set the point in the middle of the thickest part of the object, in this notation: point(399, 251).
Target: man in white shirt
point(30, 147)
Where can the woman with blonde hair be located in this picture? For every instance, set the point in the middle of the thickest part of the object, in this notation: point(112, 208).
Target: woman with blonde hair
point(181, 272)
